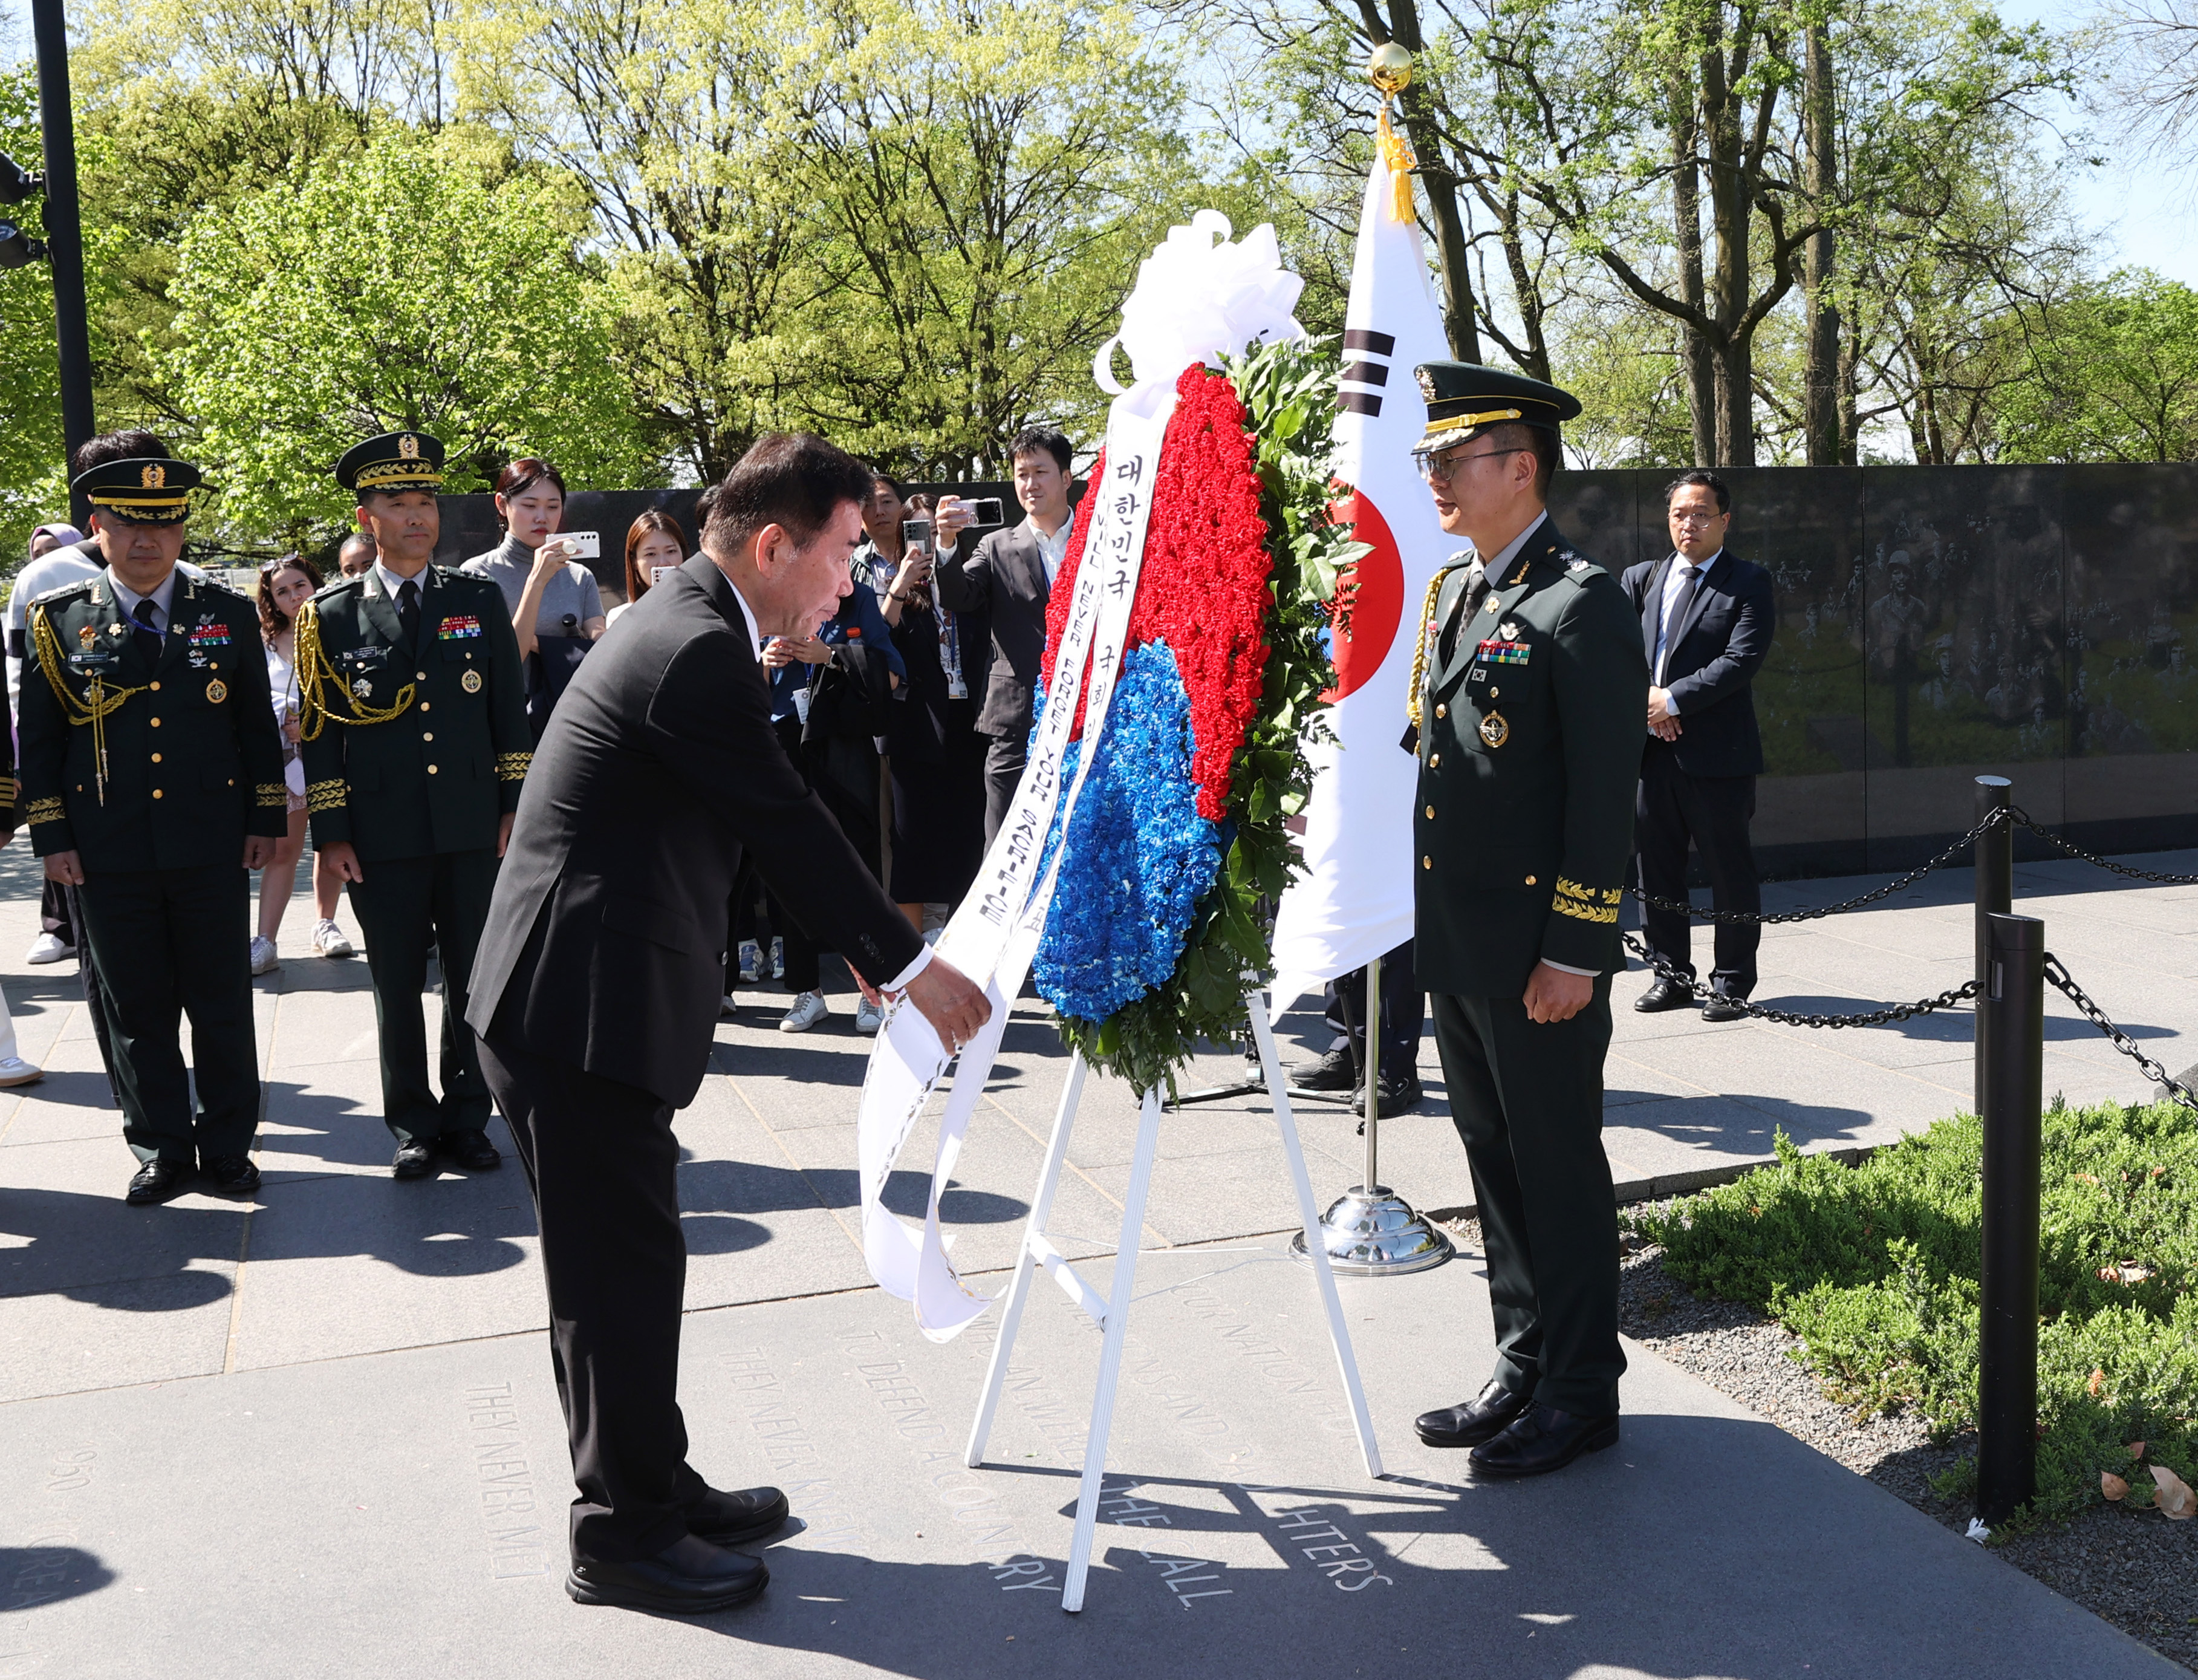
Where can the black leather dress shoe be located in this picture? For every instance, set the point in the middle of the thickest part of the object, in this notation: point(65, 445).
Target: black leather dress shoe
point(1664, 995)
point(416, 1159)
point(728, 1519)
point(689, 1577)
point(1482, 1418)
point(1723, 1006)
point(471, 1150)
point(157, 1181)
point(1544, 1439)
point(1334, 1071)
point(232, 1175)
point(1398, 1096)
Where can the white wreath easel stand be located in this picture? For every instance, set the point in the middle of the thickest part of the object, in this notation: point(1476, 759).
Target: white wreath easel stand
point(1112, 1312)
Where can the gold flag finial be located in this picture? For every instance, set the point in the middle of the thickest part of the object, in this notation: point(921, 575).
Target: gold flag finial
point(1390, 69)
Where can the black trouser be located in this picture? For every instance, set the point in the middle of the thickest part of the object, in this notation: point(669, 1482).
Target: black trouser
point(54, 914)
point(602, 1161)
point(1527, 1102)
point(1403, 1012)
point(168, 943)
point(403, 905)
point(861, 828)
point(1713, 811)
point(1004, 757)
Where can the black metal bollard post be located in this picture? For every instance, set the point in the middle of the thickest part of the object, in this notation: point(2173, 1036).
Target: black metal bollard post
point(2013, 1001)
point(1995, 854)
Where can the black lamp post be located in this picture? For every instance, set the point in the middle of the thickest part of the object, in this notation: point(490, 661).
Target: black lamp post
point(63, 245)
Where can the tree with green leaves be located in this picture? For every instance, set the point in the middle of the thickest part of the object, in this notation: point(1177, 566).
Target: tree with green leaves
point(2114, 376)
point(393, 288)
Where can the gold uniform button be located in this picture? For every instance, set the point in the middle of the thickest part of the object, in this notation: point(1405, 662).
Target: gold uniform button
point(1431, 812)
point(1434, 761)
point(424, 706)
point(156, 723)
point(1442, 712)
point(426, 735)
point(1530, 880)
point(156, 687)
point(156, 792)
point(156, 757)
point(431, 769)
point(419, 675)
point(1427, 863)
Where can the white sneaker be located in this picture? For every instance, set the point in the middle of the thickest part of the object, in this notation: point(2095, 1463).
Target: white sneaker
point(48, 948)
point(329, 939)
point(263, 959)
point(808, 1009)
point(14, 1071)
point(868, 1017)
point(751, 962)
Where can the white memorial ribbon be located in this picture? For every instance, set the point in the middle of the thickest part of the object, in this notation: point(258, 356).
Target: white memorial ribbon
point(1197, 296)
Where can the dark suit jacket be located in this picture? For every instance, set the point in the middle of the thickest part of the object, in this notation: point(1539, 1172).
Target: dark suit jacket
point(1712, 658)
point(1004, 578)
point(658, 769)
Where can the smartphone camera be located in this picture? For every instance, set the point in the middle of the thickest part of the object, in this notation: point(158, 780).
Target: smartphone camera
point(917, 531)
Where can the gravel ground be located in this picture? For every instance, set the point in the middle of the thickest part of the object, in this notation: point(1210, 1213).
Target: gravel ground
point(2136, 1570)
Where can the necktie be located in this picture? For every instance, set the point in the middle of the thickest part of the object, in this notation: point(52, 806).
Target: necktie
point(1476, 590)
point(1678, 617)
point(408, 612)
point(147, 634)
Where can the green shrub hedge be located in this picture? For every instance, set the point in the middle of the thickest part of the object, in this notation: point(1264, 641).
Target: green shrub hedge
point(1875, 1267)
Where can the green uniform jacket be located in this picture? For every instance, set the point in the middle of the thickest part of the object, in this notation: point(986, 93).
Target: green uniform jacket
point(411, 751)
point(193, 758)
point(1521, 843)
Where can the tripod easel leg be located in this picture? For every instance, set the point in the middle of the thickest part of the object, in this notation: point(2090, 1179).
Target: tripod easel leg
point(1011, 1315)
point(1339, 1335)
point(1110, 1354)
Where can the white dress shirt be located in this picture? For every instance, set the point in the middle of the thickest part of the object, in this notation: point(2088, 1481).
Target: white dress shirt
point(1054, 549)
point(391, 583)
point(1682, 573)
point(161, 599)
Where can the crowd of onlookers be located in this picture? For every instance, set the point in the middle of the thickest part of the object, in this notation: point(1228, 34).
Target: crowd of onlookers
point(907, 711)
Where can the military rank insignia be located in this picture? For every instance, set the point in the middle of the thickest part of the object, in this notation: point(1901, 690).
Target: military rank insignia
point(471, 682)
point(460, 629)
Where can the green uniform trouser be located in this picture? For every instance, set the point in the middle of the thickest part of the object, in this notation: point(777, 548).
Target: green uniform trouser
point(1528, 1102)
point(168, 943)
point(403, 905)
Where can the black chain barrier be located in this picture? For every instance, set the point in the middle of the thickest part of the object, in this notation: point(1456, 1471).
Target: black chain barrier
point(1821, 910)
point(2065, 983)
point(2077, 851)
point(1702, 993)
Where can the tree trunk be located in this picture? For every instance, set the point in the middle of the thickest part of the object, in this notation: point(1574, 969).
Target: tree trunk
point(1729, 221)
point(1687, 215)
point(1460, 322)
point(1821, 397)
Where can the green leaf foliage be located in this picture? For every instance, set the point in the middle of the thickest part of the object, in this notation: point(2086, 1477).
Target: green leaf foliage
point(1288, 391)
point(1875, 1268)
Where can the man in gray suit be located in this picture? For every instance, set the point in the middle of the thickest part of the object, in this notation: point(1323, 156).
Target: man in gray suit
point(1010, 575)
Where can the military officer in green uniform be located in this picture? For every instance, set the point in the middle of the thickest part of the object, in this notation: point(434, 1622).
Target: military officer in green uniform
point(1528, 694)
point(153, 775)
point(414, 719)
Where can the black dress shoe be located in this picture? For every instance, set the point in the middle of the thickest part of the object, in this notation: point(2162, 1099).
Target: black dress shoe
point(1482, 1418)
point(1664, 995)
point(232, 1175)
point(471, 1150)
point(728, 1519)
point(689, 1577)
point(416, 1159)
point(1544, 1439)
point(1723, 1006)
point(157, 1181)
point(1398, 1096)
point(1334, 1071)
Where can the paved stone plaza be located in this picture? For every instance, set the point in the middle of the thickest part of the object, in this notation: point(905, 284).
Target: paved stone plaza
point(313, 1434)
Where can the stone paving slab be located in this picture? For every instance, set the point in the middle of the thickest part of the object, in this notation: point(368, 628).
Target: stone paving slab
point(401, 1515)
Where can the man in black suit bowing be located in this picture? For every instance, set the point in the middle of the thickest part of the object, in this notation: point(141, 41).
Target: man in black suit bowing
point(596, 990)
point(1011, 575)
point(1706, 617)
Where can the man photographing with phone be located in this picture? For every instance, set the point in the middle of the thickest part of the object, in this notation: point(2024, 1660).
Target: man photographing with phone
point(1010, 575)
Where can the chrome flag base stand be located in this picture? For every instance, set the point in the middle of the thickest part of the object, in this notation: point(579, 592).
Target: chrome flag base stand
point(1369, 1230)
point(1110, 1312)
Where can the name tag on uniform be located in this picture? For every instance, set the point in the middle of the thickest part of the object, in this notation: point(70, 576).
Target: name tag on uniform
point(363, 658)
point(1494, 652)
point(458, 629)
point(93, 664)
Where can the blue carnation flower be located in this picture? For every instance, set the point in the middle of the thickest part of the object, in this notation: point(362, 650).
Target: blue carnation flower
point(1139, 855)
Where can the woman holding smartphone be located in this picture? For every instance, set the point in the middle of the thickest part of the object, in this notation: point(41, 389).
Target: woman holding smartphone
point(557, 607)
point(285, 586)
point(654, 541)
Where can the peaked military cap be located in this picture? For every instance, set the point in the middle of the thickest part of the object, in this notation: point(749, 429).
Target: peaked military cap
point(144, 490)
point(394, 460)
point(1462, 396)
